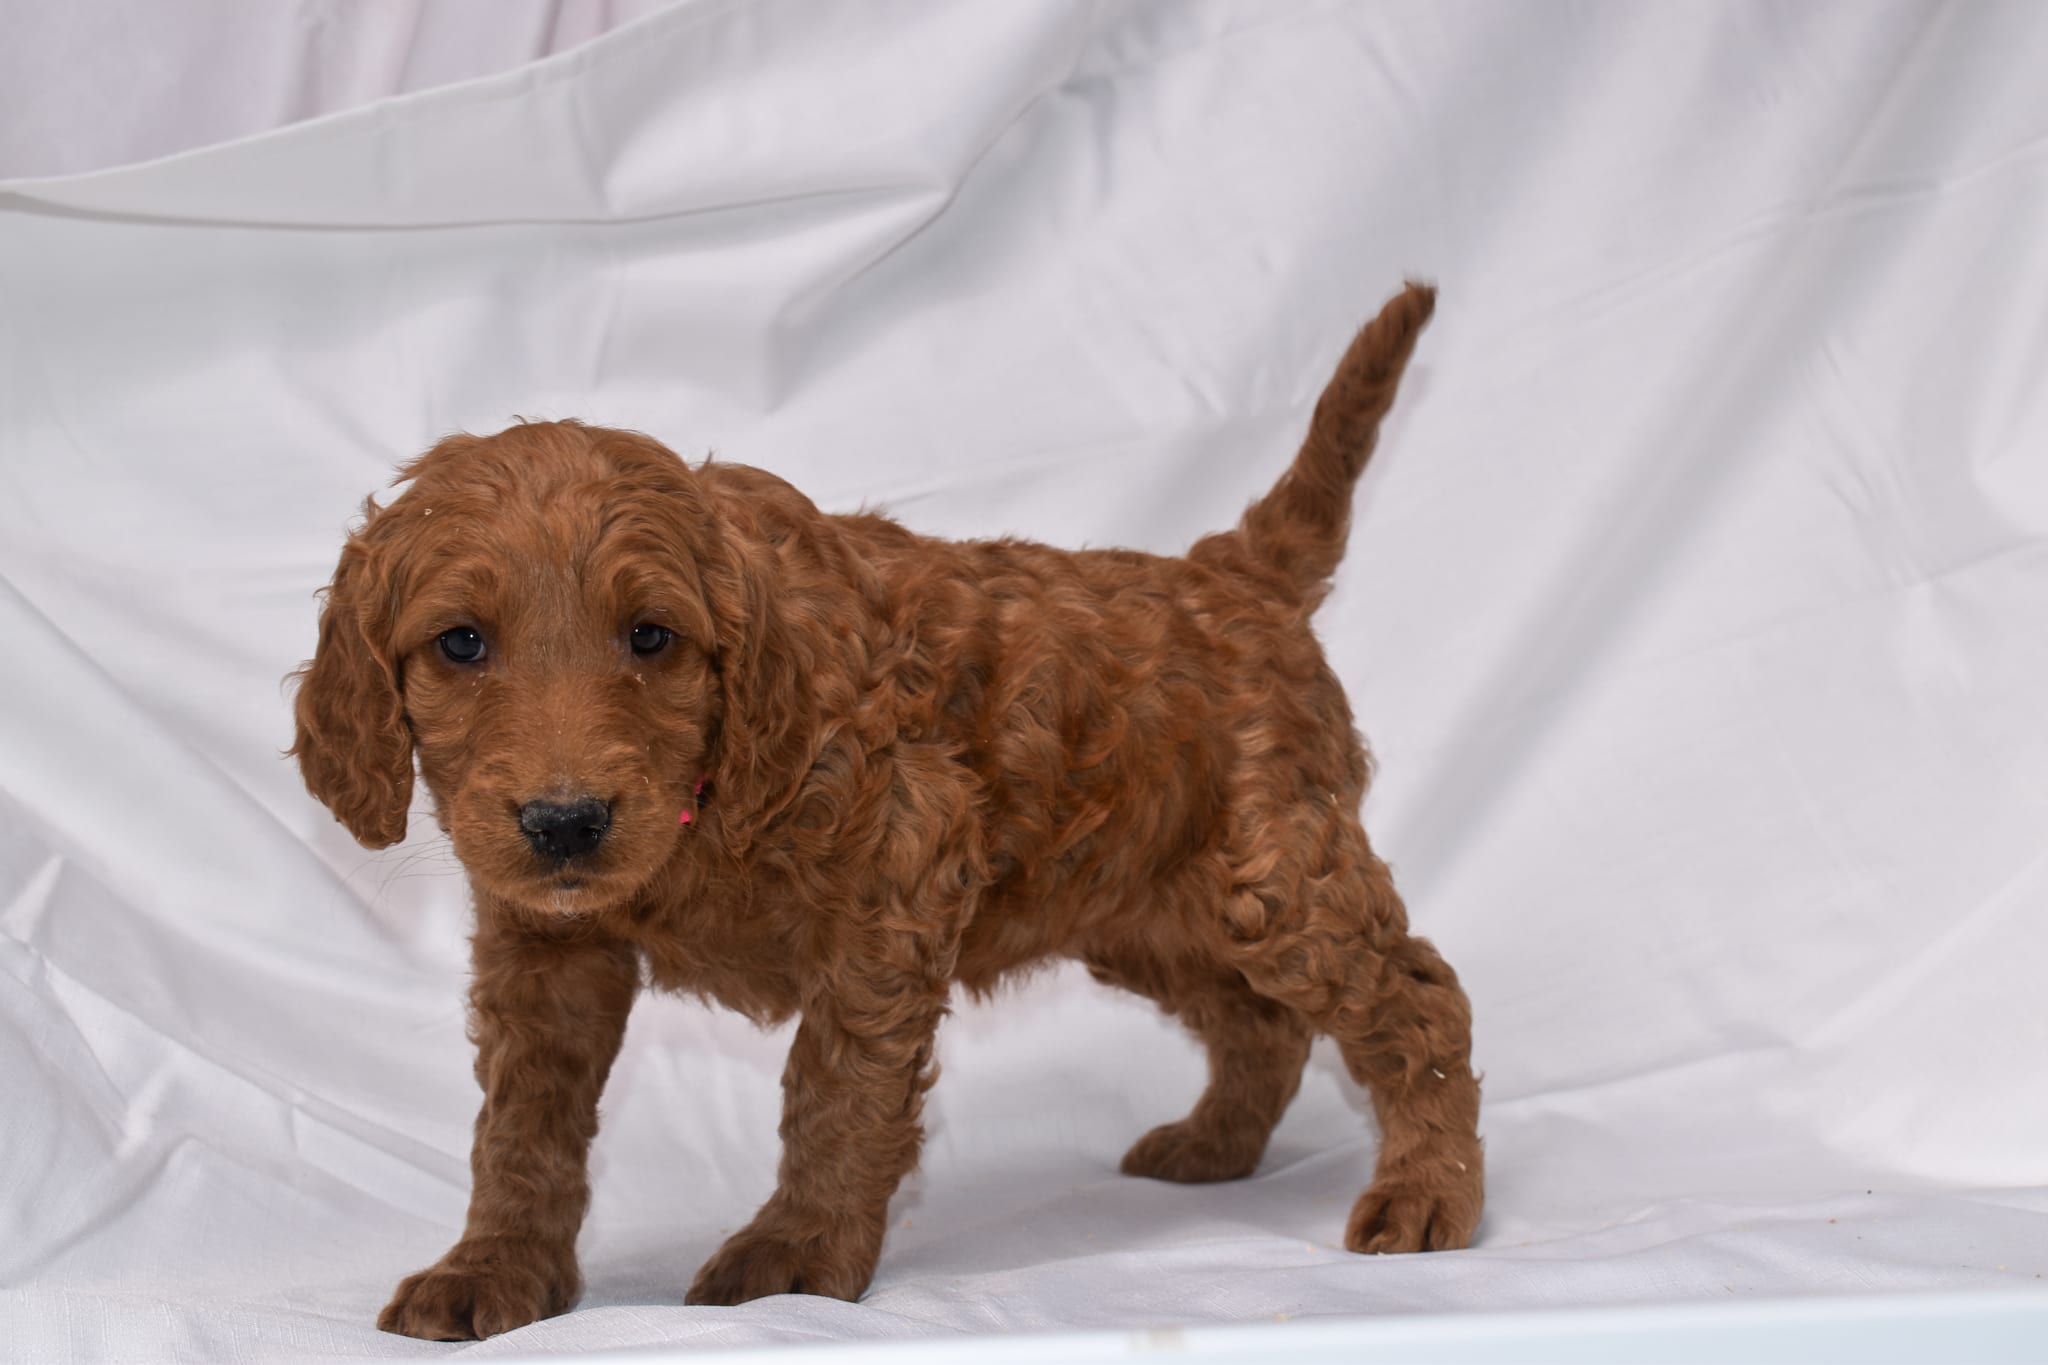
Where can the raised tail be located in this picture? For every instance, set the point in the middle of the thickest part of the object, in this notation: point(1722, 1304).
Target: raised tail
point(1298, 529)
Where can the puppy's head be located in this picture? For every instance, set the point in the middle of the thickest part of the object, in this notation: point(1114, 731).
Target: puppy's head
point(552, 620)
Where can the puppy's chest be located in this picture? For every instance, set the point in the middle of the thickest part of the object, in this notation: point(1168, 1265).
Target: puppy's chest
point(742, 950)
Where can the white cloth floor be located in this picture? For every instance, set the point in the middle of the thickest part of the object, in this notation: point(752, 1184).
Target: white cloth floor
point(1697, 610)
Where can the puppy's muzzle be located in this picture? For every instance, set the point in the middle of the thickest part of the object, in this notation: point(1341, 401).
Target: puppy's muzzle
point(561, 830)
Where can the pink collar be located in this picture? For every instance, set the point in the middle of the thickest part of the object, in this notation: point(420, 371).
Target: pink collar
point(697, 801)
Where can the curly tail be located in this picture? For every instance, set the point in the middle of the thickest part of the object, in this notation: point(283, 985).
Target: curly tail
point(1298, 529)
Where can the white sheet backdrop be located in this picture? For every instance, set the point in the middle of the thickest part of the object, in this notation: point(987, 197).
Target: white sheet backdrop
point(85, 86)
point(1697, 609)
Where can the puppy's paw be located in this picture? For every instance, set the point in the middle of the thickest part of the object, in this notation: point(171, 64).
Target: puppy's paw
point(1412, 1215)
point(462, 1300)
point(1182, 1152)
point(756, 1262)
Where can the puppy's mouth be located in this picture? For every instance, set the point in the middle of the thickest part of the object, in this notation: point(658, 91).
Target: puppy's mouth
point(575, 893)
point(575, 878)
point(576, 888)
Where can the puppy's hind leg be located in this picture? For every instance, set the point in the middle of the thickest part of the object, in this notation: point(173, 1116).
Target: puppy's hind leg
point(1317, 925)
point(1257, 1048)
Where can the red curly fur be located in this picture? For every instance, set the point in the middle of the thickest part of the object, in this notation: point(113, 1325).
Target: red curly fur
point(929, 763)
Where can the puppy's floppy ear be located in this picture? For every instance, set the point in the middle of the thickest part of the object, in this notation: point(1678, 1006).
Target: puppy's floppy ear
point(353, 745)
point(768, 733)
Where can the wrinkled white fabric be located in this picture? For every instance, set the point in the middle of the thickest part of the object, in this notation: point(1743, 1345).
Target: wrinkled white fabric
point(84, 87)
point(1697, 609)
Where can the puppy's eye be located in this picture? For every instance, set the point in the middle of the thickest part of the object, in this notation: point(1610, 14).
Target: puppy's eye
point(462, 645)
point(648, 638)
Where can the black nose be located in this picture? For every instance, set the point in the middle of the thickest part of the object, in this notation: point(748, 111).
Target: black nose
point(565, 829)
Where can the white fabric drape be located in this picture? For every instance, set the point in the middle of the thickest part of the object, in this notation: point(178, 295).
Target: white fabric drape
point(1697, 609)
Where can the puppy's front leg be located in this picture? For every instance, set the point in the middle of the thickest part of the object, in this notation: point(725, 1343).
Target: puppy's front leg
point(855, 1082)
point(548, 1009)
